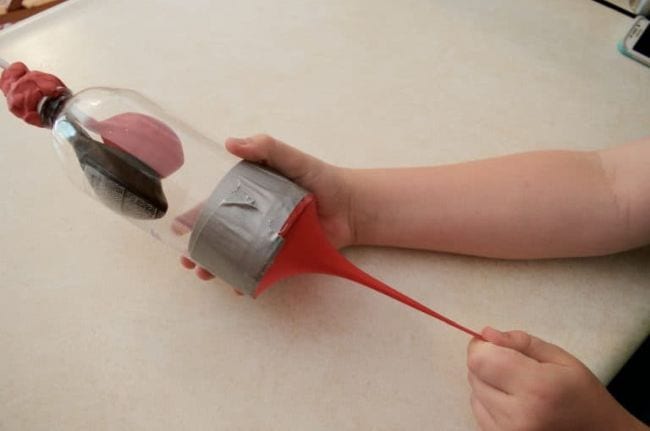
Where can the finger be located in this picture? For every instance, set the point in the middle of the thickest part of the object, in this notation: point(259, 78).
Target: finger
point(204, 274)
point(289, 161)
point(483, 418)
point(503, 368)
point(529, 345)
point(495, 400)
point(185, 222)
point(187, 263)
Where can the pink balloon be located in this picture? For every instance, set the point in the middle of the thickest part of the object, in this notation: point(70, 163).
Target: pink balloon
point(144, 137)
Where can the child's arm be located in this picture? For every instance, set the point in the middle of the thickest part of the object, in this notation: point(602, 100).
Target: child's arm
point(530, 205)
point(544, 204)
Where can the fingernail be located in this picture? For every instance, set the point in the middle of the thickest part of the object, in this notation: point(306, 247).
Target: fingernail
point(236, 141)
point(490, 333)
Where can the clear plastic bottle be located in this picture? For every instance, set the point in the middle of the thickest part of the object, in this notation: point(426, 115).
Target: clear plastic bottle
point(166, 178)
point(79, 126)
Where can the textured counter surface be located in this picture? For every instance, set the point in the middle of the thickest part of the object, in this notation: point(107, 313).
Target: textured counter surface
point(101, 328)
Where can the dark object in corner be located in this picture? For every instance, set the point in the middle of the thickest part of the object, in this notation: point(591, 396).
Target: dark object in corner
point(631, 386)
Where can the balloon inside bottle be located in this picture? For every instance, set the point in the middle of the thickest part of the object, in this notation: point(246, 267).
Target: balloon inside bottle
point(176, 184)
point(245, 223)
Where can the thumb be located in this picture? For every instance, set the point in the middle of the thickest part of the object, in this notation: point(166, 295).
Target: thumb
point(285, 159)
point(529, 345)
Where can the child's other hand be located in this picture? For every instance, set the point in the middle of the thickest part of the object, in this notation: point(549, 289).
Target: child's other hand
point(520, 382)
point(328, 183)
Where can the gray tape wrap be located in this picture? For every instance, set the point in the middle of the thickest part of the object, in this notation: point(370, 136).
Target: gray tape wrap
point(236, 236)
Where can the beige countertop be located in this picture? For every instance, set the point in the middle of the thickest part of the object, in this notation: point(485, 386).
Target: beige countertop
point(100, 328)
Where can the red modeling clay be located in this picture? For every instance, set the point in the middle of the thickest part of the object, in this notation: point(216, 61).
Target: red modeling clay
point(25, 89)
point(307, 250)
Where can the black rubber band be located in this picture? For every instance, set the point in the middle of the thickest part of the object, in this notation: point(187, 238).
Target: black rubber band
point(616, 8)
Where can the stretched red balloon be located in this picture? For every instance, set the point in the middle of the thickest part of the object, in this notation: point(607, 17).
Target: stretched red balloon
point(306, 249)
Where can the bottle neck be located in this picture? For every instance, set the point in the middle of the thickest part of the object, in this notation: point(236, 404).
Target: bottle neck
point(50, 108)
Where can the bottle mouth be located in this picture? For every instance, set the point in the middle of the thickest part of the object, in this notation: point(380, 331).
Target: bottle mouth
point(50, 107)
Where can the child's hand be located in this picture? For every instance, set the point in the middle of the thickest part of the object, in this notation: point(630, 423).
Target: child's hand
point(328, 183)
point(520, 382)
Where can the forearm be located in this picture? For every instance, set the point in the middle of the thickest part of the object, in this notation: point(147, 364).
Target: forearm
point(531, 205)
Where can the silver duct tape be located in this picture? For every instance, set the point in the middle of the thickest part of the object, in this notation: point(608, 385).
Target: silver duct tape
point(236, 236)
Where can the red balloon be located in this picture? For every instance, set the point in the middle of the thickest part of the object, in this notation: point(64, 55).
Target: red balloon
point(306, 250)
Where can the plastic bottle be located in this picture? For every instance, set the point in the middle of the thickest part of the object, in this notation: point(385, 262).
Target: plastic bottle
point(166, 178)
